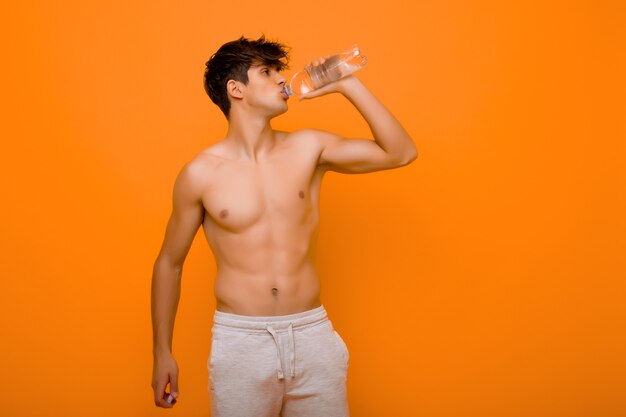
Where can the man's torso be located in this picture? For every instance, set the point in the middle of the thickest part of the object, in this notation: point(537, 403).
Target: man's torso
point(261, 222)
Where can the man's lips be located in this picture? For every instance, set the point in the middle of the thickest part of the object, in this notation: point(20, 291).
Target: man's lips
point(285, 95)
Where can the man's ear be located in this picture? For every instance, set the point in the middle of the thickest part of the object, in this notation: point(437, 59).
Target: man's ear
point(234, 88)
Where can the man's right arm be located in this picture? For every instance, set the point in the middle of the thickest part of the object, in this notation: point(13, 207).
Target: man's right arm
point(187, 216)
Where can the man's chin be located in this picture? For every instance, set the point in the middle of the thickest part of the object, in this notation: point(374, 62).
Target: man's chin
point(283, 111)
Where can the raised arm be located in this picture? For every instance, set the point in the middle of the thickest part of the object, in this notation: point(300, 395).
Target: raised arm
point(392, 146)
point(354, 156)
point(187, 216)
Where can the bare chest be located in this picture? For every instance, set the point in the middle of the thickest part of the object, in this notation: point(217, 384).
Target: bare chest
point(282, 190)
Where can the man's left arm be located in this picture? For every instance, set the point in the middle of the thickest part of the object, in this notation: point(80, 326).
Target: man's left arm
point(392, 146)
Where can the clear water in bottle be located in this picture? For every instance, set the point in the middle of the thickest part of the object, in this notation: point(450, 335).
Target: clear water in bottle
point(332, 69)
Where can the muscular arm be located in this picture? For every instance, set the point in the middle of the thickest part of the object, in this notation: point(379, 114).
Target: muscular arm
point(187, 216)
point(392, 147)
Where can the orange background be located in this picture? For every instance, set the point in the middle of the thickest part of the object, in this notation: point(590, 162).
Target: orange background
point(484, 279)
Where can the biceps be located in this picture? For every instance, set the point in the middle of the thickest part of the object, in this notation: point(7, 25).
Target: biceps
point(353, 156)
point(180, 232)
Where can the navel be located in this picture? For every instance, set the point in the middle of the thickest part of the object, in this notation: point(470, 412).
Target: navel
point(301, 194)
point(274, 291)
point(224, 213)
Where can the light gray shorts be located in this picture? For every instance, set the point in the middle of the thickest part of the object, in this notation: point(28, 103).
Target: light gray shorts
point(294, 365)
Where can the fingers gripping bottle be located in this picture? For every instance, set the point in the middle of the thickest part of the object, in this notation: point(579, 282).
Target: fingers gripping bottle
point(332, 69)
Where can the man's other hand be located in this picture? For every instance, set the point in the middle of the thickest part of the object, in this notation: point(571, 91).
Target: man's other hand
point(164, 371)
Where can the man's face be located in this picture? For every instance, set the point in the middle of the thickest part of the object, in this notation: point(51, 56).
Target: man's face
point(263, 92)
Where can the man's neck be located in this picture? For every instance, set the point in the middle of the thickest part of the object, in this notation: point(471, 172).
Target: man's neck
point(252, 138)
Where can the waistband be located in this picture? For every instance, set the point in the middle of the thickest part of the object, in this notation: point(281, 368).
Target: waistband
point(274, 325)
point(258, 324)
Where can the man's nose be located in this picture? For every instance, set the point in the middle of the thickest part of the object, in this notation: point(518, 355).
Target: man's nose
point(281, 80)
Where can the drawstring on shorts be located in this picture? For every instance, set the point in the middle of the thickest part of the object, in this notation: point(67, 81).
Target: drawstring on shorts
point(279, 351)
point(275, 325)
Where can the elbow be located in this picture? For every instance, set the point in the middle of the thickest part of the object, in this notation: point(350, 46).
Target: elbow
point(411, 152)
point(410, 157)
point(413, 155)
point(168, 266)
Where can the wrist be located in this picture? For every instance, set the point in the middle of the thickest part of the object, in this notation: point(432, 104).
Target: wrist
point(349, 84)
point(158, 351)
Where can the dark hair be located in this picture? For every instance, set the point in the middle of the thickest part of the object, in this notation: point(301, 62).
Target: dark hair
point(232, 61)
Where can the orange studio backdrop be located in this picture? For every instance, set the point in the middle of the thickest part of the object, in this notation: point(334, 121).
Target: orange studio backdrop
point(484, 279)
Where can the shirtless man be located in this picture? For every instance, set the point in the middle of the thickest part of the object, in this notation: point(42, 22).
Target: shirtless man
point(255, 193)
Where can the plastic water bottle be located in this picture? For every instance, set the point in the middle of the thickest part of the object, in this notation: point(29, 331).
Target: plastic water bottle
point(332, 69)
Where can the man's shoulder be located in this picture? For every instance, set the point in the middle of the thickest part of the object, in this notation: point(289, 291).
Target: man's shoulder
point(199, 171)
point(212, 154)
point(306, 133)
point(317, 136)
